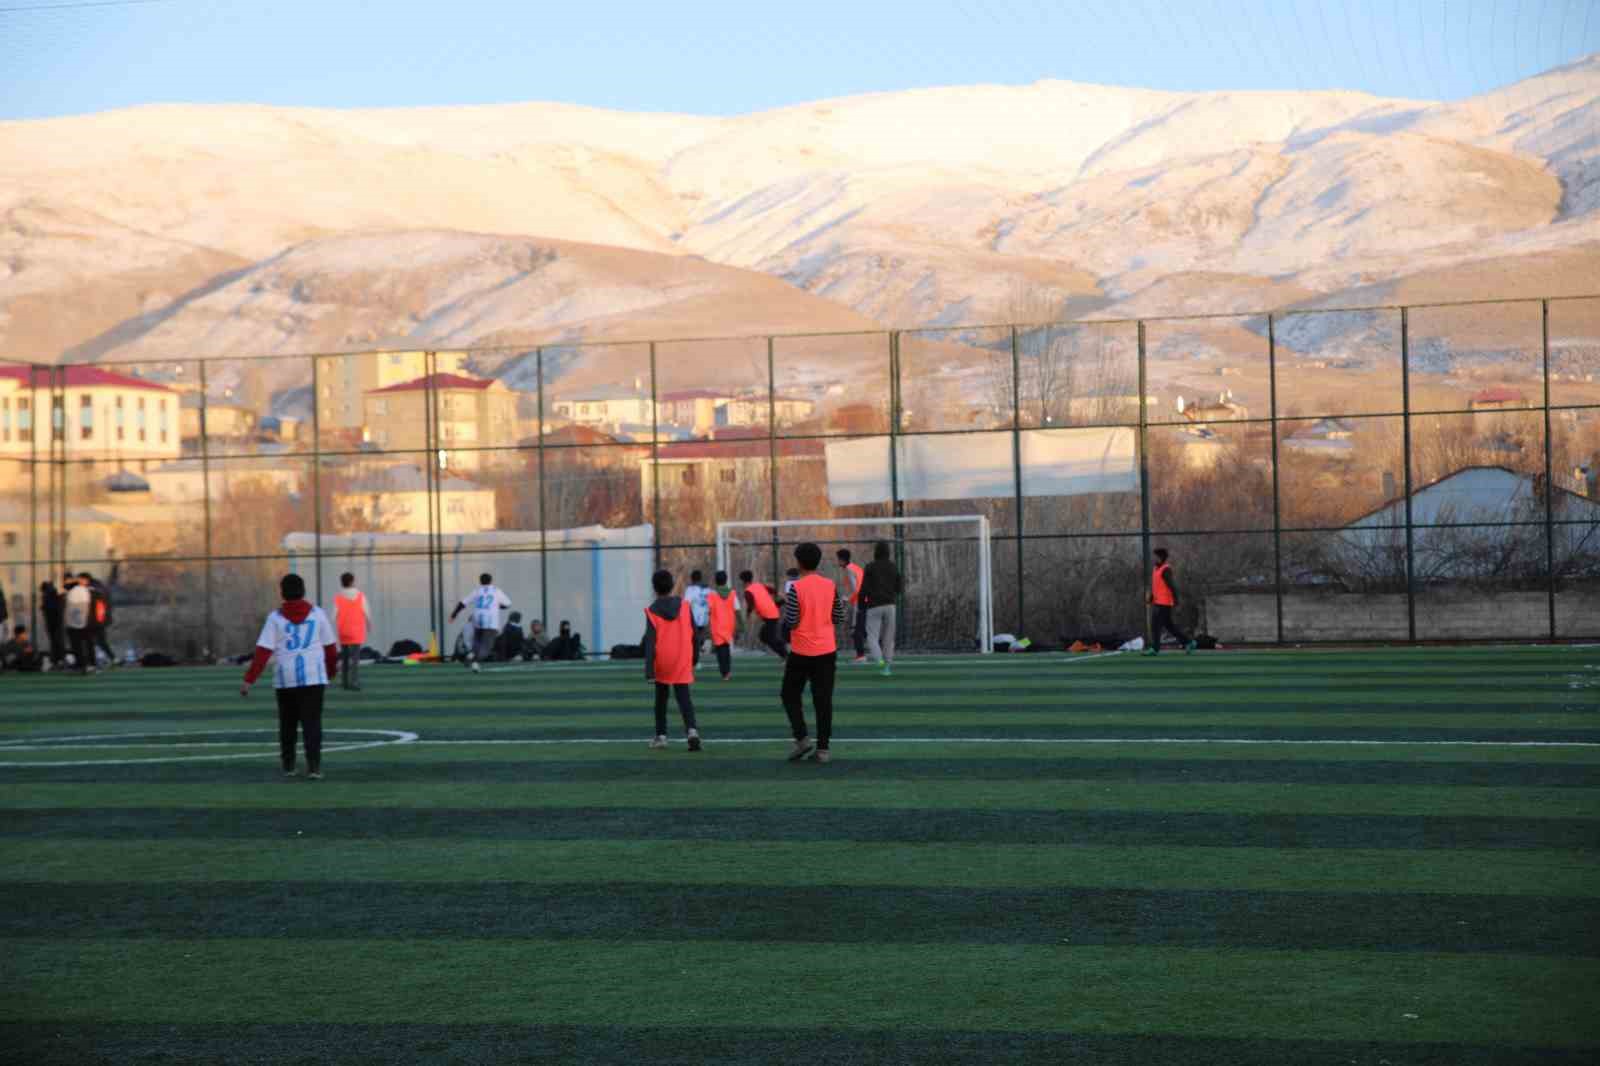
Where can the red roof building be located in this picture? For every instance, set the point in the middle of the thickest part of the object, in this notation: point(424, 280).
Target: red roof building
point(438, 383)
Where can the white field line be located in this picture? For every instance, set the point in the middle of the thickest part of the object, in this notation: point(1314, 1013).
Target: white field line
point(385, 737)
point(392, 737)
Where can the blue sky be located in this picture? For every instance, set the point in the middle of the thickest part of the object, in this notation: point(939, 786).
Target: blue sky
point(724, 57)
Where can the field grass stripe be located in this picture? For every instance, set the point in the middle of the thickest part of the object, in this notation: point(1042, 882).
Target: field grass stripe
point(770, 863)
point(59, 1043)
point(818, 824)
point(840, 786)
point(466, 765)
point(1192, 992)
point(860, 914)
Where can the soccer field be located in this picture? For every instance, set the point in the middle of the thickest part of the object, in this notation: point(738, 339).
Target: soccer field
point(1258, 857)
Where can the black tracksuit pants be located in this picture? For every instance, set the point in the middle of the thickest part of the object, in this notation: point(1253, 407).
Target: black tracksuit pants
point(685, 707)
point(724, 658)
point(300, 708)
point(819, 671)
point(769, 637)
point(1161, 620)
point(82, 648)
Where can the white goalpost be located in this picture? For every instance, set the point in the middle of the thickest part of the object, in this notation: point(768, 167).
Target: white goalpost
point(748, 538)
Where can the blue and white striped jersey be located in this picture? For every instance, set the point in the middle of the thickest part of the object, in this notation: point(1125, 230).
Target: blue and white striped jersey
point(298, 658)
point(485, 606)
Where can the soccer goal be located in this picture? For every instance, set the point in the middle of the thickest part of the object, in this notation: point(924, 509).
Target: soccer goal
point(946, 562)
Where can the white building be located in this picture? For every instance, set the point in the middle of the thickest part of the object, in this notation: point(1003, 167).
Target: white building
point(395, 500)
point(97, 415)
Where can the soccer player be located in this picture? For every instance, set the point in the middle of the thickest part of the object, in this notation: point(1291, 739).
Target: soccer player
point(486, 605)
point(79, 602)
point(669, 657)
point(723, 605)
point(352, 615)
point(1163, 597)
point(881, 587)
point(696, 595)
point(812, 610)
point(758, 598)
point(99, 618)
point(302, 647)
point(858, 618)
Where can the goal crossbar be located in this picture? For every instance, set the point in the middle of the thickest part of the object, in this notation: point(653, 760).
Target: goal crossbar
point(979, 522)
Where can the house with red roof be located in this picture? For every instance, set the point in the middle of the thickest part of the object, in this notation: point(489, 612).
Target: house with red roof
point(343, 381)
point(729, 475)
point(473, 413)
point(1500, 398)
point(87, 412)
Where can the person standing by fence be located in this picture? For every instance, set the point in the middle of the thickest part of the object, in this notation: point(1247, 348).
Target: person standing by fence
point(53, 605)
point(352, 615)
point(79, 606)
point(1163, 600)
point(881, 586)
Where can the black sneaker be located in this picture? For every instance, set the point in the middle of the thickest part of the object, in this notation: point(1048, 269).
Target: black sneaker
point(694, 742)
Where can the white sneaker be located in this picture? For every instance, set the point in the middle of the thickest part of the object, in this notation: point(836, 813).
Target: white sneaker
point(476, 668)
point(658, 743)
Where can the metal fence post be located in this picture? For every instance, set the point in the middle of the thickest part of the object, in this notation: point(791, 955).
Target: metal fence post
point(1277, 510)
point(772, 459)
point(1549, 470)
point(655, 461)
point(1016, 487)
point(205, 498)
point(1144, 477)
point(544, 525)
point(1405, 410)
point(316, 473)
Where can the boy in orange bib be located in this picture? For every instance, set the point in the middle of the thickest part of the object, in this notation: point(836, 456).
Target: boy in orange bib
point(723, 603)
point(669, 657)
point(811, 611)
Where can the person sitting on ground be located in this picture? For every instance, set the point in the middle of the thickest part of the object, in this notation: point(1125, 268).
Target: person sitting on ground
point(533, 648)
point(18, 654)
point(566, 647)
point(511, 643)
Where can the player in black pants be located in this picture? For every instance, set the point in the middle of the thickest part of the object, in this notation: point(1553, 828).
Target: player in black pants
point(812, 610)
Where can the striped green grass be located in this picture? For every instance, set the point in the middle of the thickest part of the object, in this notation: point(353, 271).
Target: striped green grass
point(1387, 855)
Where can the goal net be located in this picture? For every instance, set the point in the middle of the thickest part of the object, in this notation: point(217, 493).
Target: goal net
point(946, 562)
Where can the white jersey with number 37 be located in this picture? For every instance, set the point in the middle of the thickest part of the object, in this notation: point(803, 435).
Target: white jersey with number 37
point(297, 656)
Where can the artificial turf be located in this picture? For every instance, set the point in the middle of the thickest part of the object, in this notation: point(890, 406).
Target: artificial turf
point(1287, 857)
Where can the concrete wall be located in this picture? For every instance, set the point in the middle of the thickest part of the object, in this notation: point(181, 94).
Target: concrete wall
point(1442, 614)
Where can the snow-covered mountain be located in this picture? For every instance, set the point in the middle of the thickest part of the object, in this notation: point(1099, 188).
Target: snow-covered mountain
point(236, 229)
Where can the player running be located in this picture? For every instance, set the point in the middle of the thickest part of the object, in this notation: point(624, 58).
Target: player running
point(722, 606)
point(758, 598)
point(485, 605)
